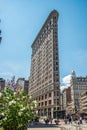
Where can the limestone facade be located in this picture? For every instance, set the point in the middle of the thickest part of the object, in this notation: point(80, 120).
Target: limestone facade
point(83, 102)
point(44, 82)
point(78, 86)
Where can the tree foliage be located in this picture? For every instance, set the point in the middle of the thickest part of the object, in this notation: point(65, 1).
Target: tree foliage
point(16, 109)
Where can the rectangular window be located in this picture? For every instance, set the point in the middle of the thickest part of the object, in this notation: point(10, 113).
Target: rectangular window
point(45, 96)
point(45, 103)
point(49, 94)
point(49, 101)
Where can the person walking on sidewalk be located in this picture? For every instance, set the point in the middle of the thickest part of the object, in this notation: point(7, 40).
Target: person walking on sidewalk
point(50, 120)
point(70, 119)
point(80, 120)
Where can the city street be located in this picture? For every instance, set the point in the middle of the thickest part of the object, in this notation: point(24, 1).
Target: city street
point(61, 126)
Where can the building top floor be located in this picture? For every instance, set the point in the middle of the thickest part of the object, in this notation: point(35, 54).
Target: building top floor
point(53, 16)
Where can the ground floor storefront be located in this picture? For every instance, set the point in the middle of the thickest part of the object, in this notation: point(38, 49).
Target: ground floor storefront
point(49, 112)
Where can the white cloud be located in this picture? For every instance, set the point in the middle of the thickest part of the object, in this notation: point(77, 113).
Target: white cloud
point(65, 82)
point(66, 79)
point(5, 74)
point(63, 87)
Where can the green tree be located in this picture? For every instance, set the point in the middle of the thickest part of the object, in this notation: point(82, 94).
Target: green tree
point(16, 109)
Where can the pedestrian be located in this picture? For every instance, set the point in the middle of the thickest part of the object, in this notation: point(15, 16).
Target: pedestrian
point(80, 120)
point(46, 121)
point(50, 120)
point(70, 119)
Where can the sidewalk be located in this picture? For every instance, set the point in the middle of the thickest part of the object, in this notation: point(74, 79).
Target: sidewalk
point(44, 129)
point(74, 126)
point(43, 126)
point(62, 126)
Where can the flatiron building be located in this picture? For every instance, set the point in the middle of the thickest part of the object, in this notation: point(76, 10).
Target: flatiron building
point(44, 82)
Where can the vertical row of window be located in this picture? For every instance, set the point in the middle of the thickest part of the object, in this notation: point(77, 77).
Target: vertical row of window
point(42, 64)
point(43, 36)
point(56, 93)
point(56, 101)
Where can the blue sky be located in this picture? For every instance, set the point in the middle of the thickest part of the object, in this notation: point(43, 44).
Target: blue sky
point(21, 21)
